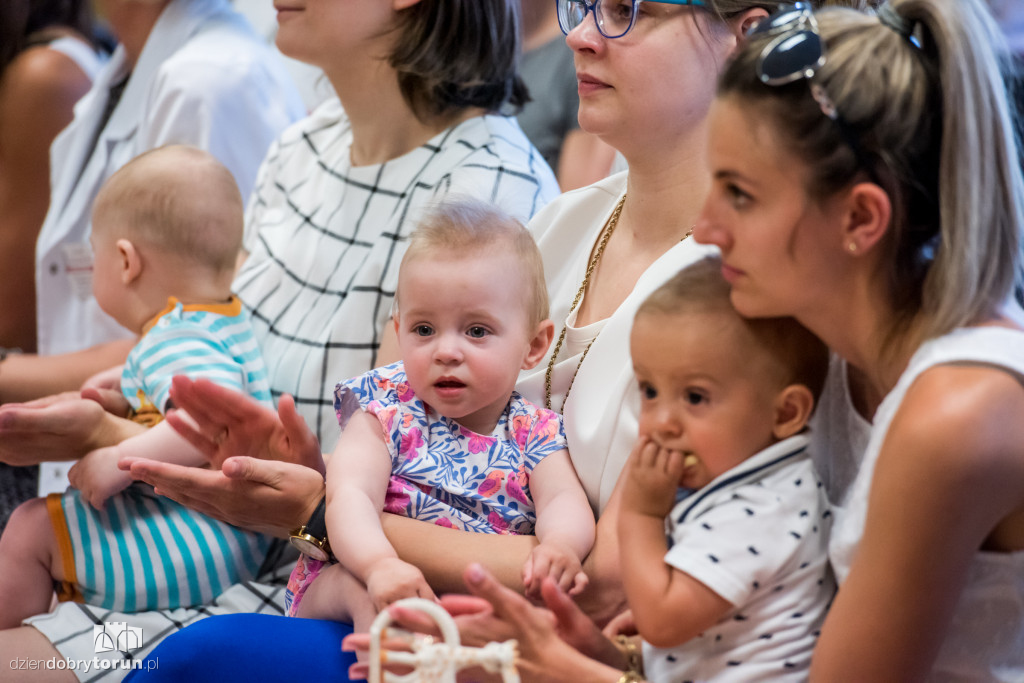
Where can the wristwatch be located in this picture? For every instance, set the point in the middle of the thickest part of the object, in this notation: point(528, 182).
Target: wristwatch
point(311, 538)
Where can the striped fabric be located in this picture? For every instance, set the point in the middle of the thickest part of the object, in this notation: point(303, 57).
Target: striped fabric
point(144, 552)
point(213, 342)
point(69, 627)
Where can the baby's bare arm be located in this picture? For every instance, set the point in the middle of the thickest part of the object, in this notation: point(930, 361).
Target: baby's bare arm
point(669, 606)
point(565, 525)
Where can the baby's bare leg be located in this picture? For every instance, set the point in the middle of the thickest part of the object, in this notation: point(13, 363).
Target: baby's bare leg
point(29, 564)
point(336, 595)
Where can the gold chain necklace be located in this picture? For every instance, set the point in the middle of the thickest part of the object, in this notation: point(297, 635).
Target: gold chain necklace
point(610, 226)
point(606, 234)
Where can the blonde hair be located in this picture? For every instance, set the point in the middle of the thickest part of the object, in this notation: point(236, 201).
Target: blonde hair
point(464, 226)
point(179, 200)
point(720, 12)
point(935, 126)
point(726, 9)
point(798, 355)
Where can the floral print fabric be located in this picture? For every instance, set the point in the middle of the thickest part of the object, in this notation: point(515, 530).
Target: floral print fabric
point(446, 474)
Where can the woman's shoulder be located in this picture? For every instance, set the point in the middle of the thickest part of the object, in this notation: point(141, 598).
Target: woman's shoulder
point(489, 157)
point(223, 59)
point(38, 92)
point(970, 402)
point(83, 53)
point(493, 139)
point(585, 206)
point(41, 74)
point(963, 399)
point(492, 136)
point(326, 126)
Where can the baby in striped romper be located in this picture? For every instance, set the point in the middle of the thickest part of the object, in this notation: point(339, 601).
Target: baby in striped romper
point(166, 235)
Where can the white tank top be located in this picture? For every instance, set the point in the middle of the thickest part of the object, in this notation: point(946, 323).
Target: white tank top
point(87, 59)
point(985, 641)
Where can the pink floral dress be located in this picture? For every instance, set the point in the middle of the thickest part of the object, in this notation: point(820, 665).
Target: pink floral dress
point(440, 471)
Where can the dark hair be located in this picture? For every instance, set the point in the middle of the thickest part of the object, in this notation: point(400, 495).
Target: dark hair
point(799, 356)
point(935, 128)
point(24, 23)
point(454, 54)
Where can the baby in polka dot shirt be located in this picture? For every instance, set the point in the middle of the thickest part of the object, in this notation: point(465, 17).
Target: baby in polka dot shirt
point(723, 529)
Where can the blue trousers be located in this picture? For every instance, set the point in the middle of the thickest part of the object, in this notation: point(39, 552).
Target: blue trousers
point(250, 647)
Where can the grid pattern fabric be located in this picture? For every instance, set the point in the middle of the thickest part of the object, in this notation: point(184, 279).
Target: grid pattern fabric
point(326, 239)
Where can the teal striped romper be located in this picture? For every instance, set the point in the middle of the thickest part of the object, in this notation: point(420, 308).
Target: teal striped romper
point(143, 551)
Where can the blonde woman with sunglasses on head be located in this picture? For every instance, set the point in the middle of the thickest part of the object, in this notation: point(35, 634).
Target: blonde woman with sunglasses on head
point(866, 182)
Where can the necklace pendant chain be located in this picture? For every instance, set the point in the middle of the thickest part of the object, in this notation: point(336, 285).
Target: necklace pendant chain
point(609, 228)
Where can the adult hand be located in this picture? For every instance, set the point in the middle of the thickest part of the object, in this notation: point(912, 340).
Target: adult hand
point(652, 477)
point(267, 496)
point(60, 427)
point(499, 614)
point(228, 423)
point(543, 635)
point(112, 400)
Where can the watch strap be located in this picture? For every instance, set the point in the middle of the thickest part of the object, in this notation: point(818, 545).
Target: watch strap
point(317, 524)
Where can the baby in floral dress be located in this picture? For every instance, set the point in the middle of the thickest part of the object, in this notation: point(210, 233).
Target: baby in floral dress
point(442, 436)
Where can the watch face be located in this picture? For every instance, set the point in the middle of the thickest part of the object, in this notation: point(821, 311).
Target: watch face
point(308, 547)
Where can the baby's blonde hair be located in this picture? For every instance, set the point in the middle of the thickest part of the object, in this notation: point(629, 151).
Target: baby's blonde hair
point(463, 226)
point(179, 200)
point(799, 356)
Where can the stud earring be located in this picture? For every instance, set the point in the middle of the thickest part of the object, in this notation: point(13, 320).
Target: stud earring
point(852, 247)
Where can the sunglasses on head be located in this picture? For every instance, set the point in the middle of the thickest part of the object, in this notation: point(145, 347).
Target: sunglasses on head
point(796, 52)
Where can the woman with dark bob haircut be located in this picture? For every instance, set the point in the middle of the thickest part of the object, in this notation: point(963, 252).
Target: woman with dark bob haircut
point(337, 195)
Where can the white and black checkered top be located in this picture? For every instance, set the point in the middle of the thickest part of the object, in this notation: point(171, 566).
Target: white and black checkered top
point(326, 239)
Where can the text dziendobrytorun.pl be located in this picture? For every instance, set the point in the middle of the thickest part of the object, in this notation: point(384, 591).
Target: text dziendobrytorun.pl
point(83, 665)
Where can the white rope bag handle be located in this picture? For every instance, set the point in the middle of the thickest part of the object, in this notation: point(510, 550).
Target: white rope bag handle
point(435, 661)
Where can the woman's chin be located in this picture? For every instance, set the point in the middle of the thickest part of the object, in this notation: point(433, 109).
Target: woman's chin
point(751, 305)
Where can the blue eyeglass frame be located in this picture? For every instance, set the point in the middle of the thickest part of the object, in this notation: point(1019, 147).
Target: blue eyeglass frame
point(591, 8)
